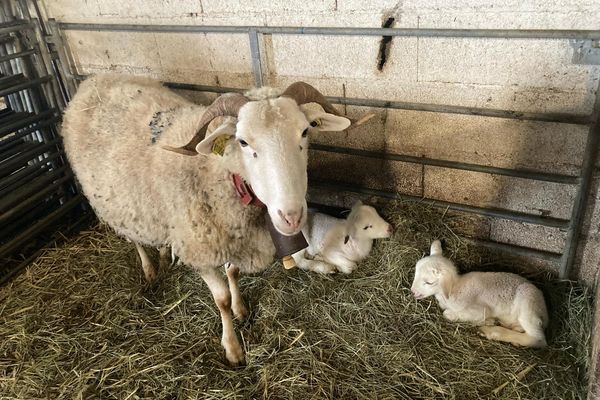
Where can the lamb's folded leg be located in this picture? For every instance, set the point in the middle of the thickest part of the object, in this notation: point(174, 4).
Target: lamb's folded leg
point(503, 334)
point(318, 266)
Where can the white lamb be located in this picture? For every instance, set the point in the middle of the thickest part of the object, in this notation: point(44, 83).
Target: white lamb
point(484, 298)
point(339, 244)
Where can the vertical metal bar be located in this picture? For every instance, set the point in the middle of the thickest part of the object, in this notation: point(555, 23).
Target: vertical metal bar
point(63, 65)
point(583, 191)
point(256, 61)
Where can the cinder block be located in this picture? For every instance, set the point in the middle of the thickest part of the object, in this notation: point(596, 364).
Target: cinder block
point(205, 52)
point(149, 11)
point(341, 57)
point(370, 136)
point(366, 172)
point(72, 10)
point(528, 235)
point(514, 14)
point(485, 61)
point(533, 197)
point(586, 269)
point(544, 146)
point(531, 99)
point(328, 87)
point(275, 7)
point(331, 197)
point(114, 49)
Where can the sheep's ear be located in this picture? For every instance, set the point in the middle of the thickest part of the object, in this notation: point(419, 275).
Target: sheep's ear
point(445, 286)
point(216, 141)
point(324, 121)
point(351, 220)
point(436, 248)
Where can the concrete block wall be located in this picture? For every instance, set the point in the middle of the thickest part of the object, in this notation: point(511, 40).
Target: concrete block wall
point(522, 75)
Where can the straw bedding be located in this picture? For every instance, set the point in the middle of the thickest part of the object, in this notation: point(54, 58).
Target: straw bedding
point(80, 323)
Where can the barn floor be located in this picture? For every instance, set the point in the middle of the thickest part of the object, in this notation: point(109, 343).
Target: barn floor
point(80, 323)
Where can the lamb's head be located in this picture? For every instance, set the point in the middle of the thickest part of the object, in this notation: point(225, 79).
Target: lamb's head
point(364, 222)
point(433, 274)
point(269, 146)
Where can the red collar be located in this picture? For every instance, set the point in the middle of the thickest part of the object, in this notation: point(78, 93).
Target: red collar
point(245, 192)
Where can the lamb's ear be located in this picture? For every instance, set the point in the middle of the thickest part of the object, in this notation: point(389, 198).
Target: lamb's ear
point(445, 286)
point(436, 248)
point(352, 220)
point(216, 141)
point(324, 121)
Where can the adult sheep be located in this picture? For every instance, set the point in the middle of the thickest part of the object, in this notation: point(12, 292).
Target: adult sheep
point(117, 130)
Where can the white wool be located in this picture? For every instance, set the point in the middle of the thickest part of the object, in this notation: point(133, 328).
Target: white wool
point(339, 244)
point(484, 299)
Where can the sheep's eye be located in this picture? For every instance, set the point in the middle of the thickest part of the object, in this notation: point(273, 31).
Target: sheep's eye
point(243, 143)
point(305, 133)
point(429, 283)
point(367, 227)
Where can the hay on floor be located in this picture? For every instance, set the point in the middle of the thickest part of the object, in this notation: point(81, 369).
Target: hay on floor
point(80, 323)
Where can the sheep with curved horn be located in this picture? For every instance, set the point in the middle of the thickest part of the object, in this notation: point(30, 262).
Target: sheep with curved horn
point(117, 130)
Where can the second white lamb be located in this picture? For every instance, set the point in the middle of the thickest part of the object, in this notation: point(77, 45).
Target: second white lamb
point(339, 244)
point(484, 299)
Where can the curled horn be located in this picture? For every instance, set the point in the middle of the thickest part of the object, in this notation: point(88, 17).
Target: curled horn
point(304, 93)
point(228, 104)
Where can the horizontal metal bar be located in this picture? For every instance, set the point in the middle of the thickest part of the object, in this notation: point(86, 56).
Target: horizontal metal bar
point(7, 167)
point(13, 181)
point(516, 173)
point(24, 120)
point(577, 119)
point(39, 226)
point(25, 85)
point(17, 55)
point(35, 197)
point(484, 211)
point(15, 26)
point(31, 188)
point(340, 212)
point(27, 131)
point(334, 31)
point(519, 250)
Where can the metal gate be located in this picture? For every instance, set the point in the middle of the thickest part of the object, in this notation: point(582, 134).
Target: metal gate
point(38, 197)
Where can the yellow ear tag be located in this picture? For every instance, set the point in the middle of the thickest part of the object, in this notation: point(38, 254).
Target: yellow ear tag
point(316, 122)
point(218, 146)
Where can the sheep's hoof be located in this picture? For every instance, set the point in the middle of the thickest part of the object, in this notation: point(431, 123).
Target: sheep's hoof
point(149, 273)
point(235, 356)
point(240, 312)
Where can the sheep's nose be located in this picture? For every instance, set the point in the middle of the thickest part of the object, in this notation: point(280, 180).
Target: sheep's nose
point(390, 229)
point(291, 217)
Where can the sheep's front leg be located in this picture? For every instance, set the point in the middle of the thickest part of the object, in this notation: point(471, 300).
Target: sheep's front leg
point(222, 297)
point(147, 265)
point(237, 303)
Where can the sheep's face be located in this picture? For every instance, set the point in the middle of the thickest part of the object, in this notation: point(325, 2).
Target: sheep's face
point(271, 143)
point(365, 222)
point(432, 274)
point(427, 278)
